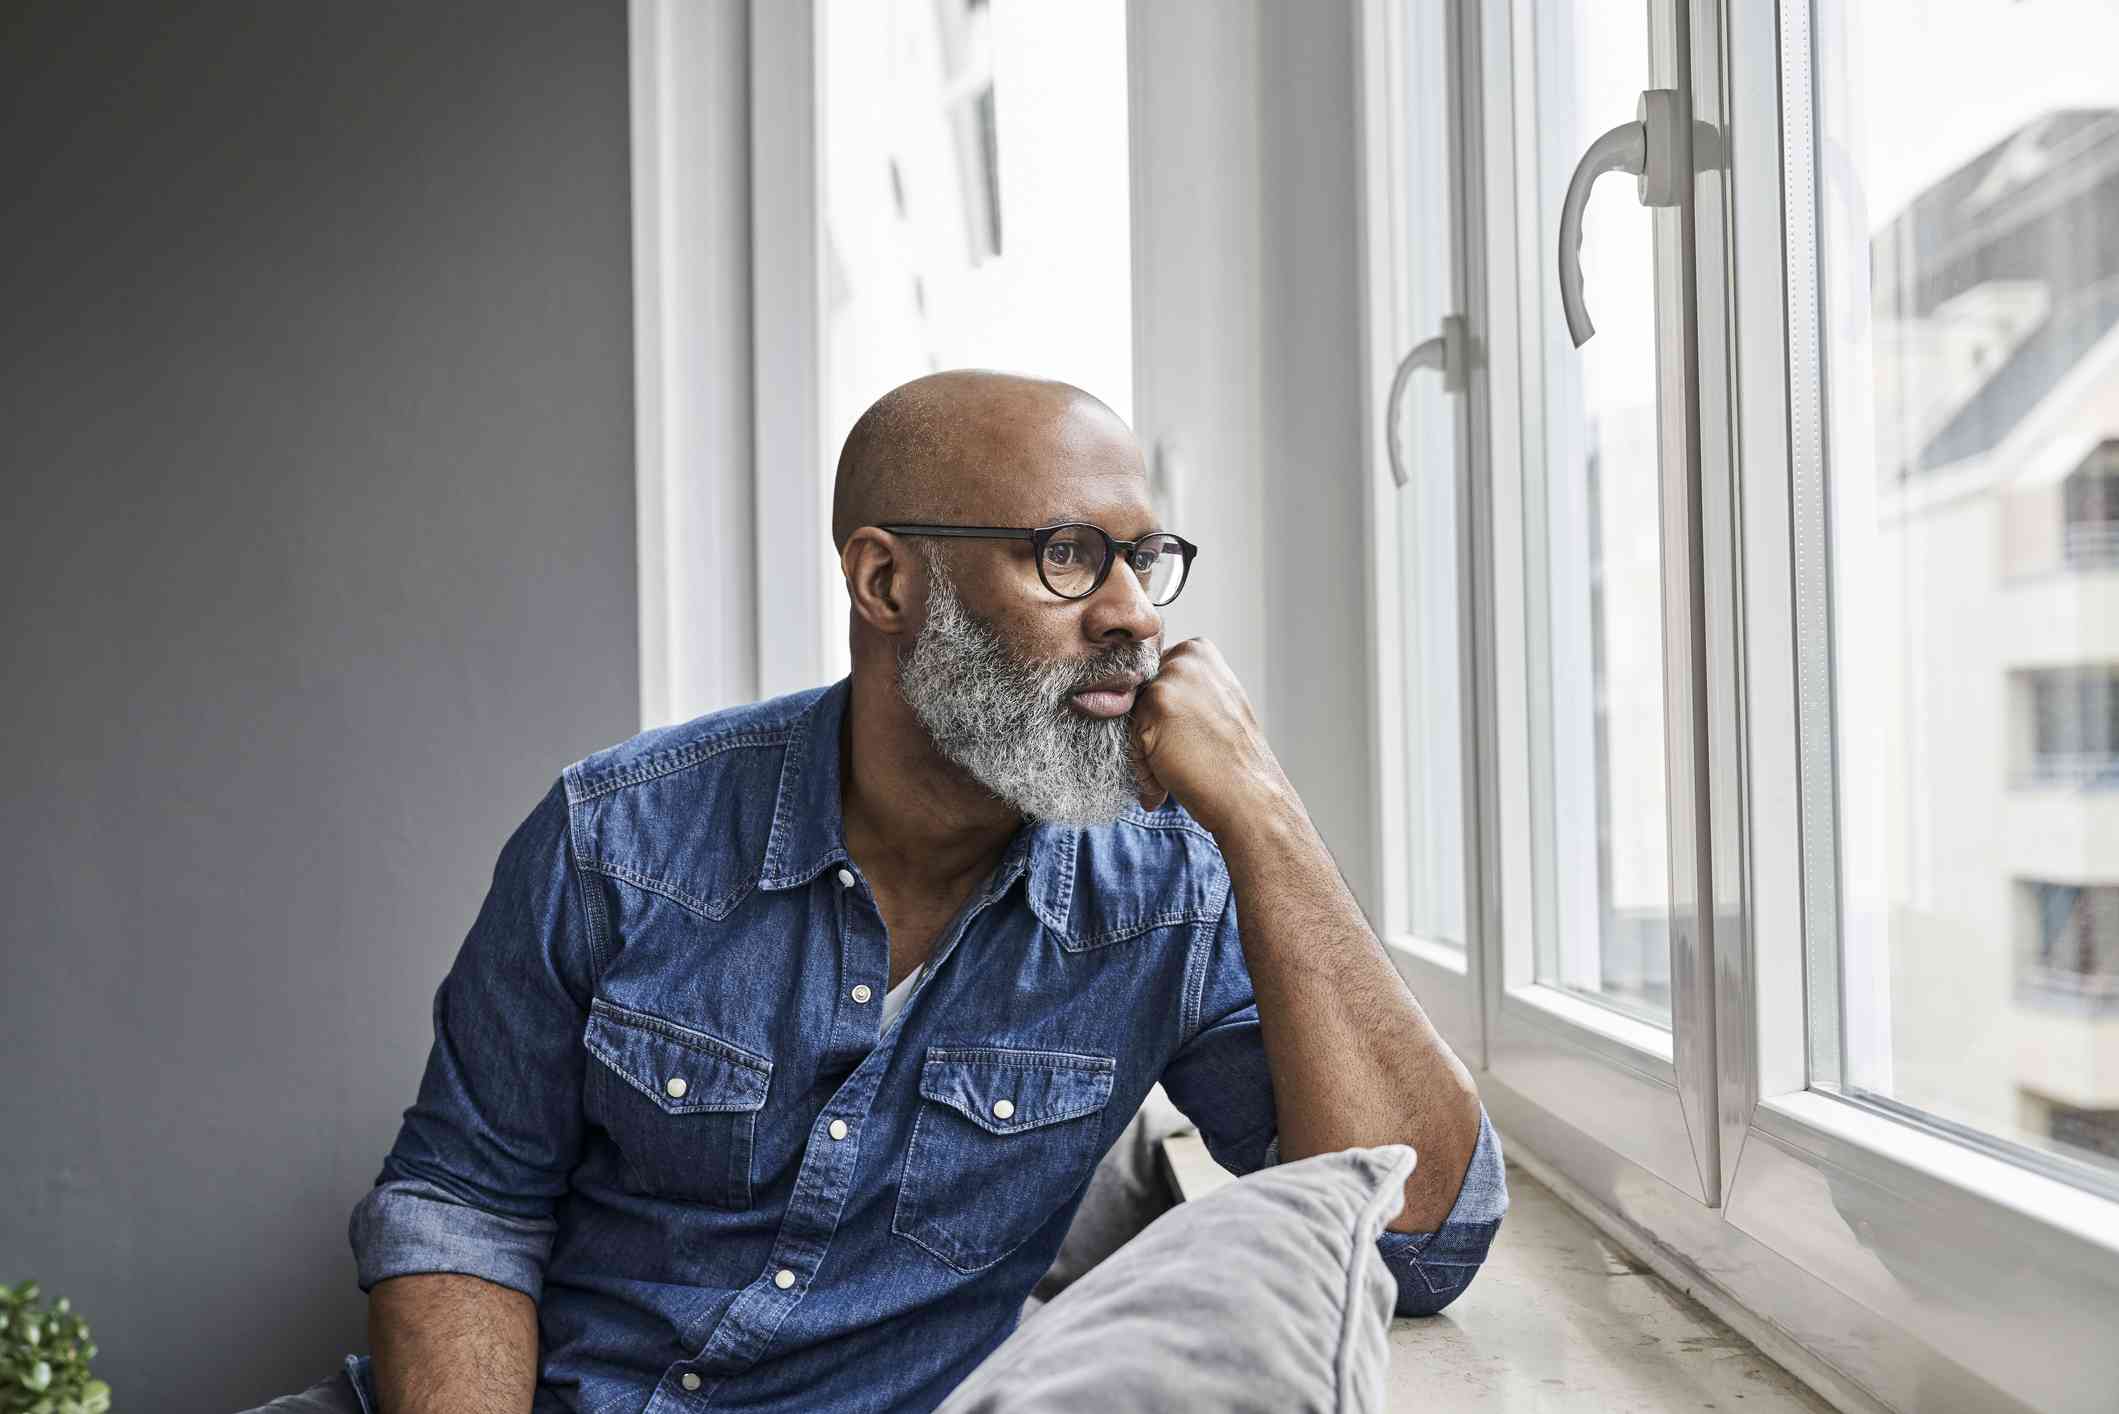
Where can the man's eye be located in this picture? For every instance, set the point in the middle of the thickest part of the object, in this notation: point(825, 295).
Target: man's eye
point(1144, 560)
point(1060, 553)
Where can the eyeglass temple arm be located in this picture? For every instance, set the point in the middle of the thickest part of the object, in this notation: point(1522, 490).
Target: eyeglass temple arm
point(962, 532)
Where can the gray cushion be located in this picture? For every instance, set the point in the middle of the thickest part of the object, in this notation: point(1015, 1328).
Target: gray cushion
point(1268, 1294)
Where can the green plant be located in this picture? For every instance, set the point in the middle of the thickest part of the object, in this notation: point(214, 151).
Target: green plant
point(44, 1355)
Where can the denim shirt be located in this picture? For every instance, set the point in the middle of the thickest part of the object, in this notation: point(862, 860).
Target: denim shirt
point(661, 1101)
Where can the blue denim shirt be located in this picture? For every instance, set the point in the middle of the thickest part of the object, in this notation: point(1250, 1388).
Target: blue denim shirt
point(661, 1104)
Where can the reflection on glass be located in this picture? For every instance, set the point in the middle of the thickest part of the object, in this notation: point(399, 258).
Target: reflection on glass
point(1428, 562)
point(1597, 745)
point(1971, 274)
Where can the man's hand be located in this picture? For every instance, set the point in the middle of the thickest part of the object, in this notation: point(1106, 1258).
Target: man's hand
point(1195, 737)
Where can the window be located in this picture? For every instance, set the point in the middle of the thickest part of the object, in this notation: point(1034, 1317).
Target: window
point(914, 202)
point(2091, 502)
point(1794, 706)
point(1593, 533)
point(2091, 1131)
point(2073, 952)
point(1419, 546)
point(966, 30)
point(1970, 277)
point(2074, 724)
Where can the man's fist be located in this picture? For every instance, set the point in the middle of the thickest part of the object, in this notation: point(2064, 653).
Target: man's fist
point(1195, 737)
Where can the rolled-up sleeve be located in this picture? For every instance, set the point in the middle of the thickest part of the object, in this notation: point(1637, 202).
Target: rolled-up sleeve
point(1220, 1079)
point(1432, 1268)
point(483, 1155)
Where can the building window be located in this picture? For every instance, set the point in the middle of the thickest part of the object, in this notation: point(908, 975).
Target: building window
point(2073, 946)
point(2093, 1131)
point(2090, 505)
point(2074, 724)
point(967, 101)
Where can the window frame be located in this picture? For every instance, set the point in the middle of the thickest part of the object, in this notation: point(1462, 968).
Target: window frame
point(1850, 1233)
point(1446, 978)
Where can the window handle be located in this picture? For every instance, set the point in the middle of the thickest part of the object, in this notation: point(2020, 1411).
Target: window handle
point(1445, 353)
point(1646, 147)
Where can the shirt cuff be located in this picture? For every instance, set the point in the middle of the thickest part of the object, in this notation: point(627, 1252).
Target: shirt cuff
point(407, 1227)
point(1433, 1267)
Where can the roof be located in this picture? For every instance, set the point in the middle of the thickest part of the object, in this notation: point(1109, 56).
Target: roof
point(2042, 204)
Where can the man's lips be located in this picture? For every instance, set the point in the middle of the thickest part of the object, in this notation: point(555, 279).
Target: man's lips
point(1112, 697)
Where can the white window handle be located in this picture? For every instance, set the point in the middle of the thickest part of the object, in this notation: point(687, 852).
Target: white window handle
point(1646, 147)
point(1444, 352)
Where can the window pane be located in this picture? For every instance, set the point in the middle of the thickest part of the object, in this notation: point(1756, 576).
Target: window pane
point(1428, 562)
point(971, 219)
point(1971, 341)
point(1603, 860)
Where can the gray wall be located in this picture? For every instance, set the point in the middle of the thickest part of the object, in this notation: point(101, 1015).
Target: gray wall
point(319, 564)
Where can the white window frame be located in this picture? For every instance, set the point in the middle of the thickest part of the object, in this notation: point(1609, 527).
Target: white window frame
point(1447, 979)
point(1886, 1261)
point(727, 339)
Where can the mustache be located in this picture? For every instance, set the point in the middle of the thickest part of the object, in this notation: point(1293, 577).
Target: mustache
point(1141, 658)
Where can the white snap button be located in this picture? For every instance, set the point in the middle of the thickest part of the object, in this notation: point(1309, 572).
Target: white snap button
point(675, 1087)
point(783, 1278)
point(838, 1129)
point(690, 1381)
point(1003, 1108)
point(861, 992)
point(846, 878)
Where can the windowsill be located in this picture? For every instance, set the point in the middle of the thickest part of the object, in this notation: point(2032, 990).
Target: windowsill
point(1558, 1319)
point(1562, 1319)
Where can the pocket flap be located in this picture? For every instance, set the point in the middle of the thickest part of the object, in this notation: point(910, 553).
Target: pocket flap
point(1029, 1088)
point(682, 1070)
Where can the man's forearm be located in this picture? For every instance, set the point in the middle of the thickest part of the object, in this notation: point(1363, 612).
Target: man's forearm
point(443, 1343)
point(1355, 1061)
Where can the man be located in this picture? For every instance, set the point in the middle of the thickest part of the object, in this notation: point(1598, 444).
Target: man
point(783, 1048)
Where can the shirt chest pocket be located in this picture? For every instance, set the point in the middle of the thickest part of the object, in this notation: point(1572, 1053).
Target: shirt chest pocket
point(1000, 1140)
point(681, 1106)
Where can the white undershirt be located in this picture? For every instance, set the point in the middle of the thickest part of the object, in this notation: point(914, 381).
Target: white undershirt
point(895, 997)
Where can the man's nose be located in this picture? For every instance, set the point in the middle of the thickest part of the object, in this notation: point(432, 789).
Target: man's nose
point(1120, 608)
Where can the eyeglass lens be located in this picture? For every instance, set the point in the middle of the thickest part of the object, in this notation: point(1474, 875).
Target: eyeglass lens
point(1074, 556)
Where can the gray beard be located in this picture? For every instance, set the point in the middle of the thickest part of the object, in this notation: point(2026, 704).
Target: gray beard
point(1006, 722)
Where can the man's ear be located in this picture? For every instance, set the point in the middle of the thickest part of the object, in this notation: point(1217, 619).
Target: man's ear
point(885, 580)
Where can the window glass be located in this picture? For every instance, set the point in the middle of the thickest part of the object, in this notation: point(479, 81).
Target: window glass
point(1429, 567)
point(975, 200)
point(1968, 196)
point(1597, 734)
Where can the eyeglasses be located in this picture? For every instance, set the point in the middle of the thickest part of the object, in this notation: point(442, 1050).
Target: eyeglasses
point(1072, 559)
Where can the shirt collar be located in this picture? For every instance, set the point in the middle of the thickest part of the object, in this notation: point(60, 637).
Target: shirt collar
point(808, 834)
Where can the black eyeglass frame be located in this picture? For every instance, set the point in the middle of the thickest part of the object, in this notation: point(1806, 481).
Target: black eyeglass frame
point(1042, 535)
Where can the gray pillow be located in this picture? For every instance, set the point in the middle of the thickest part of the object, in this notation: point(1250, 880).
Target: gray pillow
point(1267, 1295)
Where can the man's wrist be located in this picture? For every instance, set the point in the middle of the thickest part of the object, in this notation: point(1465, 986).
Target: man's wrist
point(1261, 815)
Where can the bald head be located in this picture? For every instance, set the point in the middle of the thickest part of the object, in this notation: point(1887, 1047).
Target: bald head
point(975, 447)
